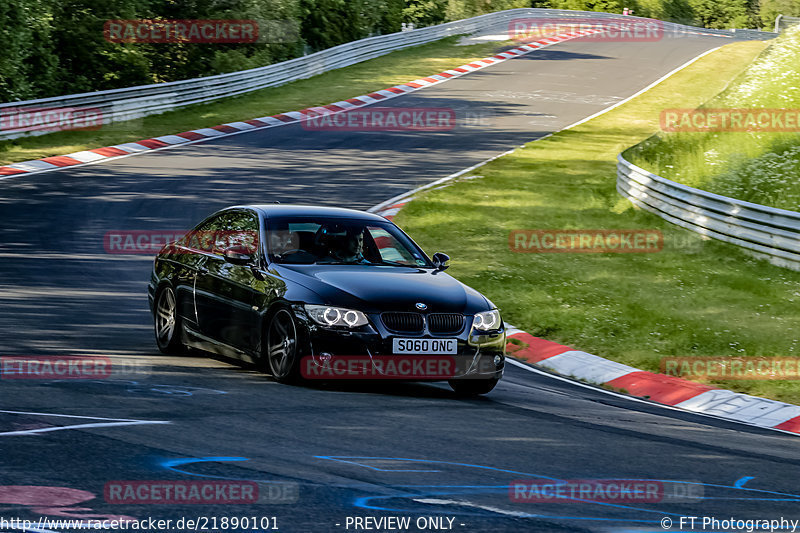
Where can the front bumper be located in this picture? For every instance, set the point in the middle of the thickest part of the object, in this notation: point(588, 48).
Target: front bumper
point(478, 356)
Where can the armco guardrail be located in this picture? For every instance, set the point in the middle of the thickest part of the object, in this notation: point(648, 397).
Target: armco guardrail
point(767, 232)
point(134, 102)
point(784, 21)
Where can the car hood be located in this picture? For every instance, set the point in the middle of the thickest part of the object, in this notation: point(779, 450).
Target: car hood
point(382, 288)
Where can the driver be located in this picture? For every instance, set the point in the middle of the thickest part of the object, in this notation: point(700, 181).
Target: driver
point(352, 250)
point(345, 248)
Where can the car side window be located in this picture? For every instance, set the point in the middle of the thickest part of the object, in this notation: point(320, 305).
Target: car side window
point(236, 228)
point(232, 228)
point(202, 237)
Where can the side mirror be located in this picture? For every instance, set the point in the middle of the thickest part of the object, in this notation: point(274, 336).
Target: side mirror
point(439, 259)
point(238, 255)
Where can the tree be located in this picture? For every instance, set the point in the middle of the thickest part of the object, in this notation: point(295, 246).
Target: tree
point(28, 60)
point(723, 14)
point(770, 9)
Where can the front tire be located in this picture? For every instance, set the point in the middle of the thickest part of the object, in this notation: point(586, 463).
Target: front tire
point(166, 323)
point(472, 387)
point(282, 347)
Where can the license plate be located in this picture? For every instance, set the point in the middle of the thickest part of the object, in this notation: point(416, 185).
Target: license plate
point(425, 346)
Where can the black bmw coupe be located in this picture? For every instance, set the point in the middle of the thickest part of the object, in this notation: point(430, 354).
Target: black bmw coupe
point(323, 292)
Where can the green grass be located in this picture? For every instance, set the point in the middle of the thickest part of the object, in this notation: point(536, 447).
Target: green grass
point(760, 167)
point(380, 73)
point(694, 298)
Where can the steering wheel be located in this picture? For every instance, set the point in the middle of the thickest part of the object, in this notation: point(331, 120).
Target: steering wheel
point(290, 252)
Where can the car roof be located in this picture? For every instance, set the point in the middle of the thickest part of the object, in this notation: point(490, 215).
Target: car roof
point(292, 210)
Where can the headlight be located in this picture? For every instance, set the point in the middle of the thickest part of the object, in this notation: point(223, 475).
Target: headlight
point(487, 320)
point(336, 316)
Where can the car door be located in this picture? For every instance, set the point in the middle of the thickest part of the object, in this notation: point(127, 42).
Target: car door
point(226, 293)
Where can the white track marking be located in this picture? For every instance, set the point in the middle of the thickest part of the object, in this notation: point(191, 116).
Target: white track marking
point(435, 501)
point(108, 422)
point(70, 416)
point(399, 197)
point(78, 426)
point(634, 95)
point(455, 175)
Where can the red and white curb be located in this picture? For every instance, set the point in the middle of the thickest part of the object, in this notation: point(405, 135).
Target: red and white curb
point(659, 388)
point(107, 153)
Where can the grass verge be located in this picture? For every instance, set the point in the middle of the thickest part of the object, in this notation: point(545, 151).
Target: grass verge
point(694, 298)
point(375, 74)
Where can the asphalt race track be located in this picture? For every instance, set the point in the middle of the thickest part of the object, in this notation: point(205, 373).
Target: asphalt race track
point(321, 455)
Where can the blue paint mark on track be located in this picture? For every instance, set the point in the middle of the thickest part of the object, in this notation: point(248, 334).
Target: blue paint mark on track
point(372, 502)
point(174, 464)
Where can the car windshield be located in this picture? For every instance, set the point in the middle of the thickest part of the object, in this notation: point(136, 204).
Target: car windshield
point(341, 241)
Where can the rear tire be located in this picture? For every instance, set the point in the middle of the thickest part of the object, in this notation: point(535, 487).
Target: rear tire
point(472, 387)
point(281, 347)
point(167, 323)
